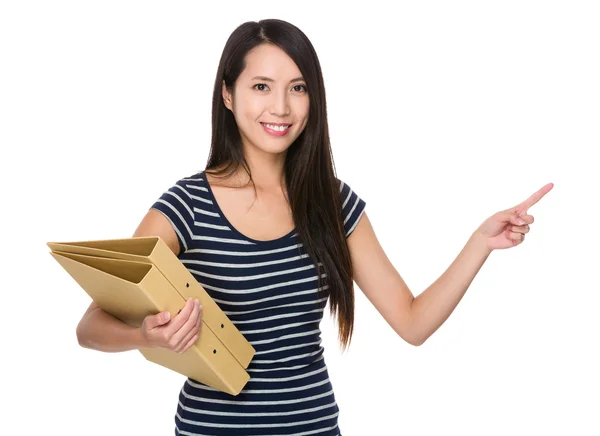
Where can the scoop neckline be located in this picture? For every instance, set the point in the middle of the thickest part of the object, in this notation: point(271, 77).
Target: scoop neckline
point(236, 231)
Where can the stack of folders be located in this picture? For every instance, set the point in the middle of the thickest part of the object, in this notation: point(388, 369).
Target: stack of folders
point(135, 277)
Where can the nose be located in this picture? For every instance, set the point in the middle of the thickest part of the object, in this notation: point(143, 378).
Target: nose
point(279, 104)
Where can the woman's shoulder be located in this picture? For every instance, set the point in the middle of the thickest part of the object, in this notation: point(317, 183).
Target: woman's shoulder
point(185, 182)
point(345, 189)
point(353, 206)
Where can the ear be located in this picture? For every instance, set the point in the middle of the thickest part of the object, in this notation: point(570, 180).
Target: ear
point(227, 97)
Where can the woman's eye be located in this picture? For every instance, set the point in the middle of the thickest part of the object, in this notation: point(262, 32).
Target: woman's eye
point(264, 87)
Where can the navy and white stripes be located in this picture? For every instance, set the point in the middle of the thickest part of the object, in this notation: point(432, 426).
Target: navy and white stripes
point(269, 291)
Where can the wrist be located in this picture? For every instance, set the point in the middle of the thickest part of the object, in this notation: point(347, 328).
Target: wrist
point(480, 241)
point(139, 339)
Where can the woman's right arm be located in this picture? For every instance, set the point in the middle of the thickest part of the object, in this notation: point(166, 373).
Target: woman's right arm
point(101, 331)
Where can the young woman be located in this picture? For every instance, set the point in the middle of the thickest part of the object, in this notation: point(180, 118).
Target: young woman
point(272, 235)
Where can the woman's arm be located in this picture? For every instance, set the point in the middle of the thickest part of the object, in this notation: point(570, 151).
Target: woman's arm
point(413, 319)
point(432, 307)
point(101, 331)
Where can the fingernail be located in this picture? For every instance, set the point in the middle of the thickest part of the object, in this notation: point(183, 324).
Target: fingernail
point(520, 221)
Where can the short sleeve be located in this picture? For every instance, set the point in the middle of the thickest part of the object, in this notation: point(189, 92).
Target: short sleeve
point(177, 205)
point(352, 207)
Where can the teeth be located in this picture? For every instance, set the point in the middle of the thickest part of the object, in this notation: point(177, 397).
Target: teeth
point(277, 128)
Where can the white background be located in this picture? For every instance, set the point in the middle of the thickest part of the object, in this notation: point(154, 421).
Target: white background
point(441, 114)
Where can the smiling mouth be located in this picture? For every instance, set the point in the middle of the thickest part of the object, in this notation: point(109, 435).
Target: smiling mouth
point(277, 127)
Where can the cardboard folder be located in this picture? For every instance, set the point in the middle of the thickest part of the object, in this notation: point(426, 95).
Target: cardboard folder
point(135, 277)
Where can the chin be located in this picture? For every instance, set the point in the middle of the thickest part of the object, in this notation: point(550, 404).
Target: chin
point(274, 148)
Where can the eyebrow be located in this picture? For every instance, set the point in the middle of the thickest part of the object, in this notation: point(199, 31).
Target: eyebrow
point(268, 79)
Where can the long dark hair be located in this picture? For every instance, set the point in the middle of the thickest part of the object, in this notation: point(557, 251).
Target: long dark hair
point(312, 186)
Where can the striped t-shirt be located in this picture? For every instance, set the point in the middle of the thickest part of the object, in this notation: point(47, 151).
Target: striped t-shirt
point(268, 289)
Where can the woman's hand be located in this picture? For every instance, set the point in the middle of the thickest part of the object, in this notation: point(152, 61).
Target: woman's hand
point(507, 228)
point(177, 334)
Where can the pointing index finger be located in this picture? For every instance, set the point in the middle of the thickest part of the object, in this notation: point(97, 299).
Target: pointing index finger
point(524, 207)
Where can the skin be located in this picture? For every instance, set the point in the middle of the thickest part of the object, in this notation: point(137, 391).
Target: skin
point(278, 98)
point(282, 100)
point(269, 90)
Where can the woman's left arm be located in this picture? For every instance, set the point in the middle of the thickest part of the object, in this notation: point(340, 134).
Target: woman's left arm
point(416, 319)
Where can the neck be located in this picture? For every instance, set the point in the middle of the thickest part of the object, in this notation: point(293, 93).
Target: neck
point(267, 169)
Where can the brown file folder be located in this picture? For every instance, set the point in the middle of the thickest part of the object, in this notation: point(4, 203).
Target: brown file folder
point(135, 277)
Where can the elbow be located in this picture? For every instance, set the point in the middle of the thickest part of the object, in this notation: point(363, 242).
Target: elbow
point(414, 335)
point(410, 333)
point(80, 340)
point(81, 337)
point(412, 338)
point(417, 342)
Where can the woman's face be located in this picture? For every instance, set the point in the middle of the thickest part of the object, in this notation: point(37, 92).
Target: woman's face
point(270, 100)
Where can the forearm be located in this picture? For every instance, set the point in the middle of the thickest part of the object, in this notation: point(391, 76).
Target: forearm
point(103, 332)
point(431, 308)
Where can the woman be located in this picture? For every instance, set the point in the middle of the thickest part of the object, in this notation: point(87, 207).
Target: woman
point(272, 235)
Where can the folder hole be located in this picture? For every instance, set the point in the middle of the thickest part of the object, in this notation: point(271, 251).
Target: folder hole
point(187, 285)
point(214, 351)
point(222, 326)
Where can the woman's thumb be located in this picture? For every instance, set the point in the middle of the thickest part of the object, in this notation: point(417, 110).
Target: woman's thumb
point(508, 216)
point(160, 319)
point(516, 219)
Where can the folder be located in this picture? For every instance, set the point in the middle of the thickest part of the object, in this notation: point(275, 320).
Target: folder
point(134, 277)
